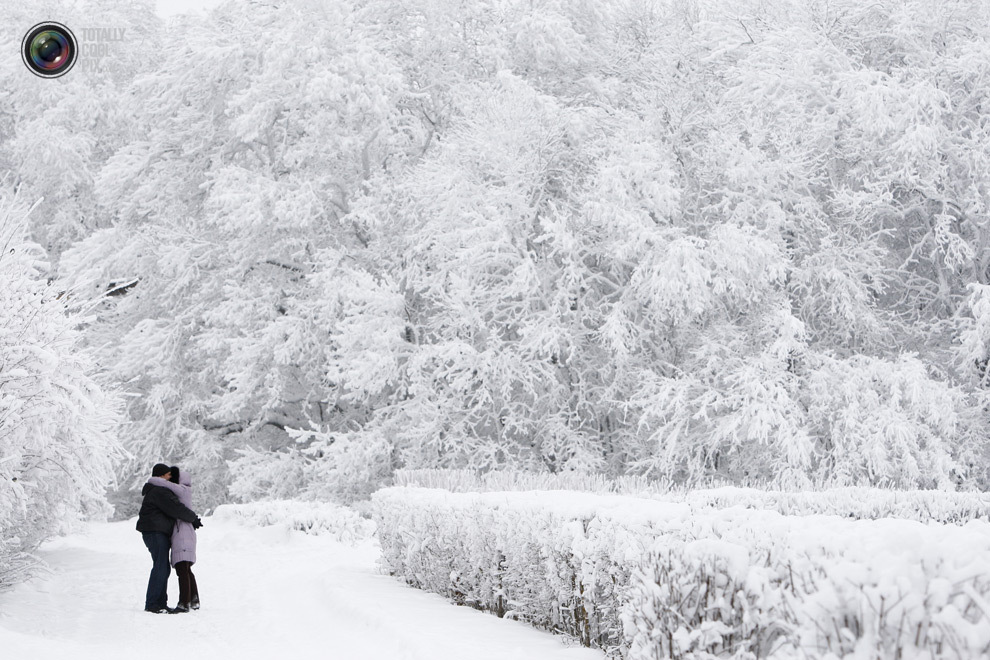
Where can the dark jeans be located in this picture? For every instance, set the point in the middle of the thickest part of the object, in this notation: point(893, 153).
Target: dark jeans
point(187, 583)
point(158, 545)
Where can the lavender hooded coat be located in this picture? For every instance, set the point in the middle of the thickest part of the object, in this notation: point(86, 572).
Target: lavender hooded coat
point(183, 534)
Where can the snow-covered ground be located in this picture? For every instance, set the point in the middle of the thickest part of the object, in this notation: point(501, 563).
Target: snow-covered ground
point(267, 593)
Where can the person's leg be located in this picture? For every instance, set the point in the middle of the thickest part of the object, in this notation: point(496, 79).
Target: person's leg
point(157, 595)
point(183, 573)
point(193, 589)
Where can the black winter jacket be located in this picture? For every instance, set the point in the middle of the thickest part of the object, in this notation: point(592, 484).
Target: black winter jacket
point(159, 510)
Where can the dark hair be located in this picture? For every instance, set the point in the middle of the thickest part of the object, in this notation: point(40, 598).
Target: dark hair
point(175, 474)
point(159, 469)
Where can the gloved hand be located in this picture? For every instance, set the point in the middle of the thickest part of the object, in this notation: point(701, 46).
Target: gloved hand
point(197, 524)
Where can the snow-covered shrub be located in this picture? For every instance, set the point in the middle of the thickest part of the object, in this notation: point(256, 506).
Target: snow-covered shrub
point(852, 502)
point(57, 448)
point(847, 502)
point(557, 561)
point(339, 467)
point(973, 351)
point(260, 474)
point(761, 585)
point(884, 422)
point(500, 480)
point(650, 580)
point(317, 518)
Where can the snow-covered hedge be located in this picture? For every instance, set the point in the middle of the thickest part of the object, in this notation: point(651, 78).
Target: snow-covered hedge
point(853, 502)
point(650, 580)
point(745, 584)
point(558, 567)
point(317, 518)
point(849, 502)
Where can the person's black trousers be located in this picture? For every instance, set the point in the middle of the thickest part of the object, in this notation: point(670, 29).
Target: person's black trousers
point(188, 592)
point(158, 545)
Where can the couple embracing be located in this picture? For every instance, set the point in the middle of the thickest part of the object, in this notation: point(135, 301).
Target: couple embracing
point(167, 522)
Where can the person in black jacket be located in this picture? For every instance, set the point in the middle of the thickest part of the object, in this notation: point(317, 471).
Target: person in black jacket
point(159, 511)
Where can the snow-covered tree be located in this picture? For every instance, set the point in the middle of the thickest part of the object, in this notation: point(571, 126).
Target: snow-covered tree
point(58, 427)
point(739, 240)
point(236, 194)
point(62, 131)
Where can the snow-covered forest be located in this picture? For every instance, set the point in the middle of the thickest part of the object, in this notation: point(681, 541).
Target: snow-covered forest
point(298, 246)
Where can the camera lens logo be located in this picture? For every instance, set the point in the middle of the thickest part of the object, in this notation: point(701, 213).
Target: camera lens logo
point(49, 50)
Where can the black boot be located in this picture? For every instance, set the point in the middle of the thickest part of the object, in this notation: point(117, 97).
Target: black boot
point(180, 608)
point(194, 603)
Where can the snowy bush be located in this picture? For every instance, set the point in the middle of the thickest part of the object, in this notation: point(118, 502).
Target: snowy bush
point(56, 444)
point(339, 467)
point(562, 567)
point(761, 585)
point(499, 480)
point(317, 518)
point(650, 580)
point(853, 502)
point(883, 422)
point(849, 502)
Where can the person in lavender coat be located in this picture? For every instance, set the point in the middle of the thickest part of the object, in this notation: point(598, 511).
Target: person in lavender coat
point(183, 540)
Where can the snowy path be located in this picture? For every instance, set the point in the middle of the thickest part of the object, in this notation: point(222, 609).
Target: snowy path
point(266, 593)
